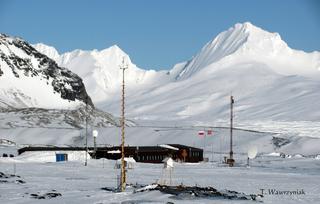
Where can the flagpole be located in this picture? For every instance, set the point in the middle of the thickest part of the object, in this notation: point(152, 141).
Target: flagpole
point(212, 153)
point(204, 145)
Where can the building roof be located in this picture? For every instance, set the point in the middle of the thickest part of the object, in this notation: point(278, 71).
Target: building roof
point(128, 159)
point(168, 147)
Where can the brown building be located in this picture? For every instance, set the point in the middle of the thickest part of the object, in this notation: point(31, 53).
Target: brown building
point(155, 154)
point(146, 154)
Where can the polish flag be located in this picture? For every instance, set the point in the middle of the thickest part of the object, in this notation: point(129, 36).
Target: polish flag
point(201, 133)
point(210, 132)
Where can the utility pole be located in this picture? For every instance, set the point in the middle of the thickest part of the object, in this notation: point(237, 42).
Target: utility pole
point(86, 161)
point(123, 67)
point(230, 161)
point(95, 135)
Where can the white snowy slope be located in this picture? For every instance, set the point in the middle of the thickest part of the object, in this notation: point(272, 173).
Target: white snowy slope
point(30, 79)
point(268, 79)
point(248, 43)
point(47, 50)
point(100, 70)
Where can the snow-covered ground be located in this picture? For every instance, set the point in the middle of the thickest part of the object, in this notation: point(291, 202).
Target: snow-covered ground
point(79, 184)
point(276, 111)
point(299, 170)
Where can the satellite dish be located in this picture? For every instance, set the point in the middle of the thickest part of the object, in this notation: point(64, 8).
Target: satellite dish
point(252, 152)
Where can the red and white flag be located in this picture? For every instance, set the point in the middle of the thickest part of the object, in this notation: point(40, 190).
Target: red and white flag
point(209, 132)
point(201, 133)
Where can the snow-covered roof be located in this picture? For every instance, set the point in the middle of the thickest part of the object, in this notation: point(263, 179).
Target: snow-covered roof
point(128, 159)
point(114, 152)
point(168, 147)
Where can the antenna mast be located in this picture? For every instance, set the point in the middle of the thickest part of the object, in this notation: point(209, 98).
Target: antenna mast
point(123, 168)
point(86, 161)
point(230, 161)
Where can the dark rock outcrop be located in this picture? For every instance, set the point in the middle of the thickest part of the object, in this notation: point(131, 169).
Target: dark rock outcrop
point(68, 84)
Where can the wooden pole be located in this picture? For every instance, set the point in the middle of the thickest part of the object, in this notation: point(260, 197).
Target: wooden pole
point(123, 168)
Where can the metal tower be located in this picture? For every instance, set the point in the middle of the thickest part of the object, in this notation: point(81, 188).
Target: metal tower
point(86, 161)
point(230, 161)
point(123, 67)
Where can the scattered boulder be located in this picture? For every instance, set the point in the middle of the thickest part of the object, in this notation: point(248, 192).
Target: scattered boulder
point(182, 191)
point(11, 178)
point(48, 195)
point(20, 181)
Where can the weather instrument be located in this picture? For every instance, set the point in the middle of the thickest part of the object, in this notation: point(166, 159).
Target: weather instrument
point(252, 153)
point(95, 135)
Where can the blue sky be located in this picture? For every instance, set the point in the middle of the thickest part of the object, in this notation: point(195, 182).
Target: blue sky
point(156, 34)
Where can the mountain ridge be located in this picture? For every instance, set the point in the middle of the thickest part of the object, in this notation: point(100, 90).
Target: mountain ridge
point(246, 40)
point(241, 40)
point(31, 79)
point(244, 60)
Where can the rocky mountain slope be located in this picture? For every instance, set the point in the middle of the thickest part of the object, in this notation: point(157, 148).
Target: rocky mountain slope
point(36, 92)
point(31, 79)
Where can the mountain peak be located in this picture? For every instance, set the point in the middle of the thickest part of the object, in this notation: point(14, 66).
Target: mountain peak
point(246, 26)
point(242, 38)
point(114, 50)
point(47, 50)
point(250, 29)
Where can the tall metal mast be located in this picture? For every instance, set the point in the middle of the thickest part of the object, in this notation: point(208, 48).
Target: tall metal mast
point(123, 168)
point(86, 161)
point(231, 160)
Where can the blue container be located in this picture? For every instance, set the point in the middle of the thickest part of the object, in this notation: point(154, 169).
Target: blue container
point(61, 157)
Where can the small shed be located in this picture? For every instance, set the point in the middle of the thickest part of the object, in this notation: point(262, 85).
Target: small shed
point(61, 157)
point(129, 161)
point(167, 171)
point(168, 163)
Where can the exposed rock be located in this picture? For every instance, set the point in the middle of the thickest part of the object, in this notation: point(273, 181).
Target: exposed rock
point(182, 191)
point(68, 84)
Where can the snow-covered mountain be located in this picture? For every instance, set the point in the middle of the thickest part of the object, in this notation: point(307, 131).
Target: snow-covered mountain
point(31, 79)
point(248, 43)
point(269, 80)
point(100, 70)
point(36, 93)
